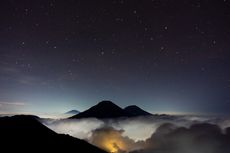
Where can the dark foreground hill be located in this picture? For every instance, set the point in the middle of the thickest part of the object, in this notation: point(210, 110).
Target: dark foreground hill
point(107, 109)
point(27, 134)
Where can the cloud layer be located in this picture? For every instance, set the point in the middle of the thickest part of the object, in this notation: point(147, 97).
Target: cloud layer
point(157, 134)
point(198, 138)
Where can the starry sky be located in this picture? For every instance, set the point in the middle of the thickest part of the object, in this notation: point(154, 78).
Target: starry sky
point(162, 55)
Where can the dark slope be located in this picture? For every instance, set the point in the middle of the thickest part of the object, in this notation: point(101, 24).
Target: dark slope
point(133, 110)
point(104, 109)
point(27, 134)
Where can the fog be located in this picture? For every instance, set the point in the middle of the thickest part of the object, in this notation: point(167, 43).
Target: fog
point(158, 134)
point(77, 128)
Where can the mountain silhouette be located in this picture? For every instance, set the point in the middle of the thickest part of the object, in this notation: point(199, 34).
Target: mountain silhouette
point(72, 112)
point(134, 110)
point(26, 134)
point(104, 109)
point(107, 109)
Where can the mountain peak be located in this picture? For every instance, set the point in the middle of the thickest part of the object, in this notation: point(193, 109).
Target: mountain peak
point(132, 106)
point(136, 111)
point(107, 109)
point(104, 109)
point(106, 103)
point(72, 112)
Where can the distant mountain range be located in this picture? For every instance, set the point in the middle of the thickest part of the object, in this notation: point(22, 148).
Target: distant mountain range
point(72, 112)
point(107, 109)
point(26, 134)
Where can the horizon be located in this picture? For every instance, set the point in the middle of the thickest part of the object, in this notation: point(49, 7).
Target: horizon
point(63, 115)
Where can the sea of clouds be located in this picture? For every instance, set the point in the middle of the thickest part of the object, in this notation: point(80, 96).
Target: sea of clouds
point(150, 134)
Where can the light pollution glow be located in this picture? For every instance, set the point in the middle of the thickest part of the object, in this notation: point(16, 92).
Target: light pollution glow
point(112, 143)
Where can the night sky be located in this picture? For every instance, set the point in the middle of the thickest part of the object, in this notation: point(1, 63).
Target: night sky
point(162, 55)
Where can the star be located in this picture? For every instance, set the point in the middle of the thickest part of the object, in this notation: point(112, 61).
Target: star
point(37, 24)
point(102, 53)
point(214, 42)
point(203, 69)
point(73, 60)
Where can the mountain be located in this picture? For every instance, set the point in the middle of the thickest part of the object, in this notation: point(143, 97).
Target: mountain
point(26, 134)
point(104, 109)
point(72, 112)
point(134, 110)
point(107, 109)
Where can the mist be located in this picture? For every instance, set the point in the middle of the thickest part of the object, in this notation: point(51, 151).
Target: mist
point(158, 134)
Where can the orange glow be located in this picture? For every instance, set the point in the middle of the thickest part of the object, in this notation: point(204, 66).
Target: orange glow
point(113, 145)
point(112, 142)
